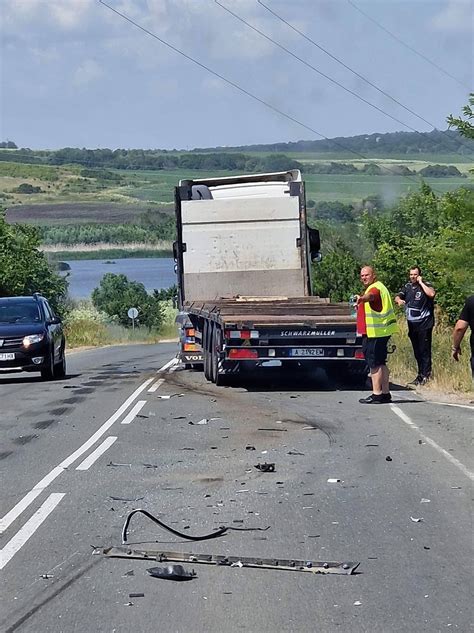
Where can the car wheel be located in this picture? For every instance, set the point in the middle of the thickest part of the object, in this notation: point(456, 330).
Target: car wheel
point(60, 368)
point(47, 373)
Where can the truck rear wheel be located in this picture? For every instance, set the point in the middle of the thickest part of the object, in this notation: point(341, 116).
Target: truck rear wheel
point(217, 378)
point(206, 350)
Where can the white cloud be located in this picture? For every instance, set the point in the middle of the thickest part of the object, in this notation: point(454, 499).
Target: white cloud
point(456, 16)
point(87, 72)
point(69, 14)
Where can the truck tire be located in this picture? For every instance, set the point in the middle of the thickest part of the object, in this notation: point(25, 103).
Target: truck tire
point(206, 350)
point(217, 378)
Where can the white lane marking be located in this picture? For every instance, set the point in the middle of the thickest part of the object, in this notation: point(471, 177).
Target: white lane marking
point(30, 496)
point(156, 385)
point(131, 415)
point(452, 404)
point(94, 456)
point(170, 363)
point(30, 527)
point(403, 416)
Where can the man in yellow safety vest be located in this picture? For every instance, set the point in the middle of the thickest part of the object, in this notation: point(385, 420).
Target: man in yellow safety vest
point(376, 323)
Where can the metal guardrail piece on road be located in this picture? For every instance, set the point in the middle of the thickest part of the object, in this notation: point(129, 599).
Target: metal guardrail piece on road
point(283, 564)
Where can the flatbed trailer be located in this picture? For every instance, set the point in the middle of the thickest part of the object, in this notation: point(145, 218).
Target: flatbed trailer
point(249, 233)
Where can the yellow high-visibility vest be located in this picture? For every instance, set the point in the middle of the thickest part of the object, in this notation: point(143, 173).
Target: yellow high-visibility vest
point(381, 323)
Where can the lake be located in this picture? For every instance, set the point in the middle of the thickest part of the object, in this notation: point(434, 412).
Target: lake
point(152, 272)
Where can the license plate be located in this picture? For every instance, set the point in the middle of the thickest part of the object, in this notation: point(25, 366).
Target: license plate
point(303, 351)
point(9, 356)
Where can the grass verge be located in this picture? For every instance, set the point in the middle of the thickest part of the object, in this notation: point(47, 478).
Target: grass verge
point(85, 327)
point(448, 375)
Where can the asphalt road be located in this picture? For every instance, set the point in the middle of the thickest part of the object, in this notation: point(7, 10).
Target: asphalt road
point(78, 454)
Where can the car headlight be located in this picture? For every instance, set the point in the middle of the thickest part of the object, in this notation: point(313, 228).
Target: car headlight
point(32, 338)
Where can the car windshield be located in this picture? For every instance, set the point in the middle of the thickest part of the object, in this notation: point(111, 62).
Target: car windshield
point(19, 312)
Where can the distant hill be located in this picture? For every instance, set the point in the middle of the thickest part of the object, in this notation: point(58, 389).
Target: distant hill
point(391, 143)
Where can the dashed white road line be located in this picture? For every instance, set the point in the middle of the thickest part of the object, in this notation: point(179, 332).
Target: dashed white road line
point(132, 414)
point(30, 527)
point(94, 456)
point(403, 416)
point(30, 496)
point(173, 361)
point(156, 385)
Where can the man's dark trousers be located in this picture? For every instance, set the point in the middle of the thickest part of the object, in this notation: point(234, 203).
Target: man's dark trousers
point(421, 342)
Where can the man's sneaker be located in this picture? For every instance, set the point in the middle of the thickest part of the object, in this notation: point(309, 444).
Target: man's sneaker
point(386, 397)
point(373, 399)
point(415, 383)
point(423, 381)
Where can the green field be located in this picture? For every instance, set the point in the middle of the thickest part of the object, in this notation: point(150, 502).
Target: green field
point(144, 198)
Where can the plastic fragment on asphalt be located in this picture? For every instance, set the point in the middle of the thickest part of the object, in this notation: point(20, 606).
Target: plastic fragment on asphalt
point(46, 576)
point(425, 500)
point(293, 452)
point(250, 448)
point(171, 572)
point(136, 595)
point(388, 459)
point(266, 468)
point(357, 603)
point(334, 481)
point(203, 421)
point(416, 520)
point(237, 564)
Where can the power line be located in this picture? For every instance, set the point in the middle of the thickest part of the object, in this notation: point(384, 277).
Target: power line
point(243, 90)
point(357, 74)
point(410, 48)
point(316, 70)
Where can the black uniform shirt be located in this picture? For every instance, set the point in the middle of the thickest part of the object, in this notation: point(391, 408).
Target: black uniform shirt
point(418, 306)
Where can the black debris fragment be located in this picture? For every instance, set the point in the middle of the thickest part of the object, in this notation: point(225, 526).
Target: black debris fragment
point(388, 459)
point(293, 452)
point(250, 448)
point(136, 595)
point(266, 468)
point(171, 572)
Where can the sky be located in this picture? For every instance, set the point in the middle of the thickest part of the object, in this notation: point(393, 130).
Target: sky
point(76, 74)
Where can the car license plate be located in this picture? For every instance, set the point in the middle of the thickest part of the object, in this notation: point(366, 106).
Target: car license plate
point(9, 356)
point(304, 351)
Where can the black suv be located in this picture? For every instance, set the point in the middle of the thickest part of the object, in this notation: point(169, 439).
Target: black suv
point(31, 337)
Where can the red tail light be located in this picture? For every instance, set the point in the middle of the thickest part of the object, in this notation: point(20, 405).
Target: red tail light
point(359, 354)
point(190, 331)
point(242, 353)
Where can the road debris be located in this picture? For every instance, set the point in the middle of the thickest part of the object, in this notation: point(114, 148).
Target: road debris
point(425, 500)
point(136, 595)
point(172, 395)
point(294, 452)
point(125, 498)
point(357, 603)
point(250, 448)
point(417, 520)
point(266, 468)
point(218, 532)
point(284, 564)
point(238, 563)
point(46, 576)
point(115, 465)
point(128, 573)
point(270, 429)
point(171, 572)
point(388, 459)
point(334, 481)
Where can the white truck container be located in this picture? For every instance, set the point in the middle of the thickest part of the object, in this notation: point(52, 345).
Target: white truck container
point(243, 258)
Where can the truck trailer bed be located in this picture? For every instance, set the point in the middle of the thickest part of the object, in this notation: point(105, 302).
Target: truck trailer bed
point(260, 312)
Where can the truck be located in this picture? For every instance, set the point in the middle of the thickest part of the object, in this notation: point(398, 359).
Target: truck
point(243, 258)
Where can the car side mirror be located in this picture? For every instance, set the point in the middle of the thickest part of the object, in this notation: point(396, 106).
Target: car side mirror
point(55, 320)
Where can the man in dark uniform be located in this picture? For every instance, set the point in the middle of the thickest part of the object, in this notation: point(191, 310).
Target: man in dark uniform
point(466, 319)
point(418, 298)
